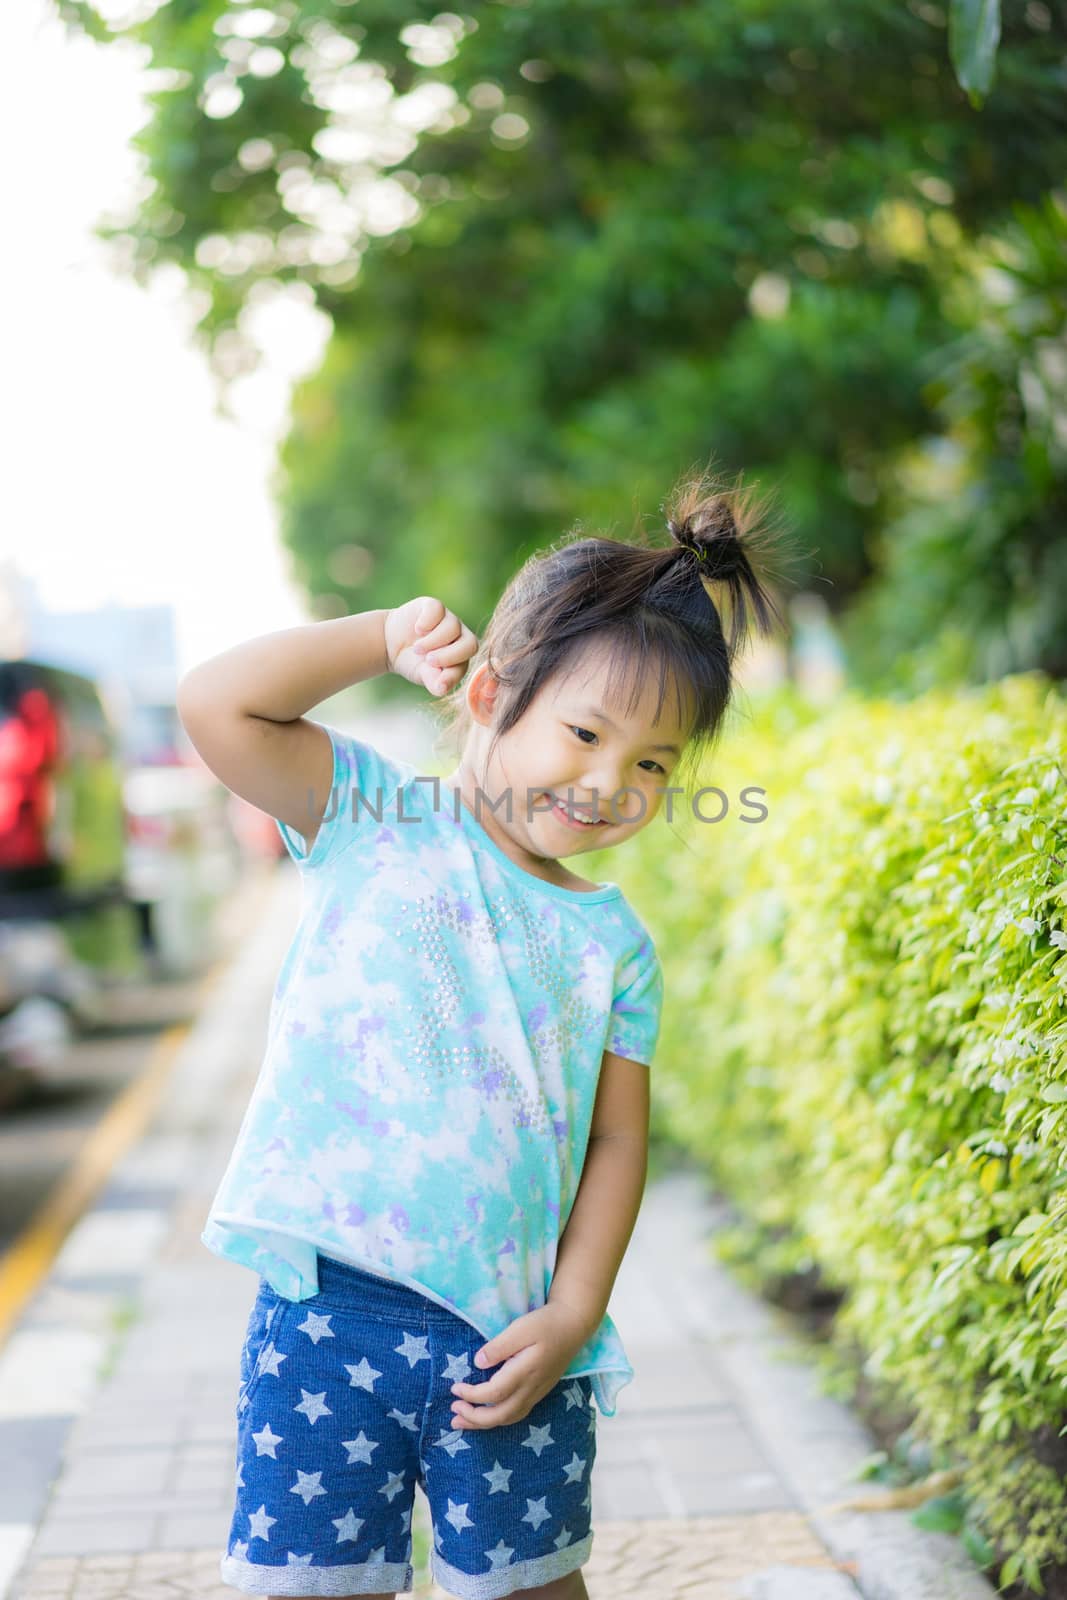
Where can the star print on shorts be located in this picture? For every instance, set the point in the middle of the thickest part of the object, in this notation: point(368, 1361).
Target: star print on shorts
point(345, 1403)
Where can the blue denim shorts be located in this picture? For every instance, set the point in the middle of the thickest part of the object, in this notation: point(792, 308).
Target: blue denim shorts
point(345, 1403)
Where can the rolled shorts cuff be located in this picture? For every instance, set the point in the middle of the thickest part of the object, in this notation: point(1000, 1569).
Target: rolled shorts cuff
point(519, 1575)
point(368, 1577)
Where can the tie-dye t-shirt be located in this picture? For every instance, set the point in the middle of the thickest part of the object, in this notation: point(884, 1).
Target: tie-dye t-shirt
point(433, 1047)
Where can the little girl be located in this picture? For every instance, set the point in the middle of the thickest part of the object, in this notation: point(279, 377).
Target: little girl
point(443, 1157)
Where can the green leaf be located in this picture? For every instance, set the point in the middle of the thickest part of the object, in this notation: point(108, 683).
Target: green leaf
point(941, 1515)
point(1030, 1224)
point(973, 36)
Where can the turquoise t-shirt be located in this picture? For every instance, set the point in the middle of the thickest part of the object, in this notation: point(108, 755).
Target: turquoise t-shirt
point(433, 1048)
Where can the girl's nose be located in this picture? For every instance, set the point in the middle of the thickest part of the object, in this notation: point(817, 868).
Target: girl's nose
point(605, 783)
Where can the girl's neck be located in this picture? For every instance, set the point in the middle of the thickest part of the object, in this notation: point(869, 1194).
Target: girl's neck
point(469, 787)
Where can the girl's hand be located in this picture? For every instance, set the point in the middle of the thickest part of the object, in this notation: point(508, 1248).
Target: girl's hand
point(535, 1349)
point(428, 644)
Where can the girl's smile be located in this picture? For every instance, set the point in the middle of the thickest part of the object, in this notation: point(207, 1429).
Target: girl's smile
point(573, 815)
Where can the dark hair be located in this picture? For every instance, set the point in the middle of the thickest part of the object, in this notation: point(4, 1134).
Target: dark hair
point(647, 603)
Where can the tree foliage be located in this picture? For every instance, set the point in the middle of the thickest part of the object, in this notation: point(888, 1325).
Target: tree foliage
point(569, 249)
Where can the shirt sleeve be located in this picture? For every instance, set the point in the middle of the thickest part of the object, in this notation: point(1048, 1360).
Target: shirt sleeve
point(638, 1006)
point(362, 797)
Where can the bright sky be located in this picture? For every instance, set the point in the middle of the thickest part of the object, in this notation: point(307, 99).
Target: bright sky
point(120, 481)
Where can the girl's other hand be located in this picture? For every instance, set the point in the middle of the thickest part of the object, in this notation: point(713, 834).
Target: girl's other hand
point(428, 644)
point(535, 1349)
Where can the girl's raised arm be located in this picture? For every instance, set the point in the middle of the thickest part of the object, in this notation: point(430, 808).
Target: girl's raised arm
point(244, 711)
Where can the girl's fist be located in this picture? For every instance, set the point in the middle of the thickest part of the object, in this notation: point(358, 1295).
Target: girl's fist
point(428, 644)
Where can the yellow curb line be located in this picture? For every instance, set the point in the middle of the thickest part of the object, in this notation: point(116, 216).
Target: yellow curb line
point(28, 1260)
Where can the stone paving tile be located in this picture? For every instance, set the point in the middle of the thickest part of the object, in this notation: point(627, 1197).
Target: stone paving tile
point(668, 1374)
point(184, 1530)
point(205, 1479)
point(717, 1558)
point(130, 1512)
point(647, 1488)
point(217, 1431)
point(704, 1496)
point(90, 1434)
point(78, 1536)
point(718, 1443)
point(103, 1475)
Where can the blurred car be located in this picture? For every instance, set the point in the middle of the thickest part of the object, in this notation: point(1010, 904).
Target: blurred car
point(62, 856)
point(116, 846)
point(62, 833)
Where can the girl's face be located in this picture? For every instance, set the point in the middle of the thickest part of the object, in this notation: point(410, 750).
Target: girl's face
point(568, 757)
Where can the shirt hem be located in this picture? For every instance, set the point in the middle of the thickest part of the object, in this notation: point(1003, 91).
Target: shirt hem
point(603, 1391)
point(254, 1225)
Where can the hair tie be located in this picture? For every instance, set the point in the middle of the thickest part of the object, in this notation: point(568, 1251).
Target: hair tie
point(698, 550)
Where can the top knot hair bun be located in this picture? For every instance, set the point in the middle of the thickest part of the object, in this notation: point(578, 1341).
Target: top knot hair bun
point(723, 536)
point(711, 534)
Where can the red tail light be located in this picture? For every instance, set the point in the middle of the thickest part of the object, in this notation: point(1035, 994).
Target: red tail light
point(29, 747)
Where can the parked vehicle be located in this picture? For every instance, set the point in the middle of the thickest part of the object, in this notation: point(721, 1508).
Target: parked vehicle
point(64, 921)
point(62, 832)
point(116, 846)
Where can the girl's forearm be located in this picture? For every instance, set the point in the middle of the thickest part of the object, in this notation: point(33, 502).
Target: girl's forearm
point(599, 1227)
point(282, 675)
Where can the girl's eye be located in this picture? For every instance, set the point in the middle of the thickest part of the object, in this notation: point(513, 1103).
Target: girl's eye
point(592, 735)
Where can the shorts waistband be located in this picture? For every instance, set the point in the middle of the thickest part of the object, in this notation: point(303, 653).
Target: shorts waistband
point(370, 1291)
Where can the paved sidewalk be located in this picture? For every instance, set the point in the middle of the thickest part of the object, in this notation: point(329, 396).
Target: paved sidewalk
point(712, 1479)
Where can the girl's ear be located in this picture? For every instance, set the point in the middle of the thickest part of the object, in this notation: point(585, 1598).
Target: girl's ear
point(482, 689)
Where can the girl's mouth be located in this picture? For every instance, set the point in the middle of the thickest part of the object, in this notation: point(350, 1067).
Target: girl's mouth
point(571, 819)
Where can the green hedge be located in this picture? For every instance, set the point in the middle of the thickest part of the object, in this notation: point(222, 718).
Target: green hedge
point(863, 1043)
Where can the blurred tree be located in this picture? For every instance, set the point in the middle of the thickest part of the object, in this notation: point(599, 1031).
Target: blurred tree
point(571, 248)
point(974, 561)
